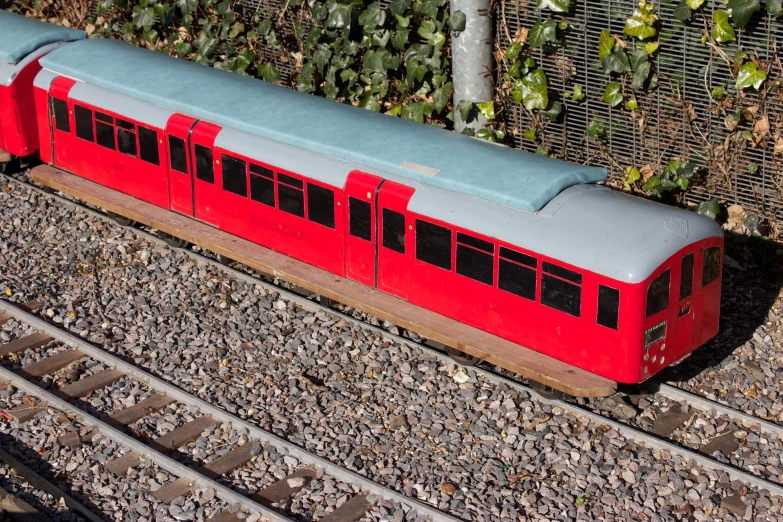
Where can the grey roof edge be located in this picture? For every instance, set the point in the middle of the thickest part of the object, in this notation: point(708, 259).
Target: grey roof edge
point(9, 71)
point(36, 33)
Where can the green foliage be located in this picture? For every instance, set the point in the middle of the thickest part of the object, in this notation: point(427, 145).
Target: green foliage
point(750, 75)
point(632, 175)
point(613, 94)
point(543, 33)
point(722, 31)
point(558, 6)
point(742, 10)
point(775, 8)
point(709, 208)
point(676, 176)
point(616, 62)
point(605, 44)
point(641, 24)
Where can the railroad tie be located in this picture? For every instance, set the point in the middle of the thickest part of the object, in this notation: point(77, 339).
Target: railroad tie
point(18, 510)
point(173, 440)
point(127, 416)
point(222, 465)
point(32, 341)
point(86, 386)
point(350, 511)
point(285, 488)
point(50, 364)
point(28, 305)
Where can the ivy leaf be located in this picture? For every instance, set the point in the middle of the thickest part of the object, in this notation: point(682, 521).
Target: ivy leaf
point(373, 16)
point(616, 62)
point(513, 51)
point(722, 31)
point(237, 29)
point(612, 95)
point(457, 21)
point(543, 33)
point(775, 8)
point(243, 61)
point(398, 7)
point(534, 88)
point(400, 38)
point(429, 32)
point(339, 15)
point(414, 71)
point(187, 6)
point(709, 208)
point(183, 49)
point(417, 110)
point(554, 110)
point(651, 47)
point(640, 76)
point(269, 72)
point(577, 95)
point(321, 57)
point(370, 102)
point(605, 44)
point(742, 10)
point(143, 17)
point(683, 11)
point(465, 108)
point(632, 175)
point(639, 26)
point(558, 6)
point(749, 75)
point(348, 76)
point(264, 27)
point(440, 97)
point(632, 103)
point(487, 109)
point(694, 4)
point(530, 134)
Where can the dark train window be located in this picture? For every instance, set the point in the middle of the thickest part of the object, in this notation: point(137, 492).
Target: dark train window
point(658, 294)
point(60, 111)
point(433, 244)
point(711, 270)
point(288, 180)
point(234, 176)
point(100, 116)
point(83, 118)
point(126, 125)
point(518, 257)
point(204, 169)
point(517, 279)
point(177, 156)
point(560, 289)
point(148, 145)
point(475, 242)
point(686, 276)
point(104, 135)
point(126, 142)
point(262, 189)
point(262, 171)
point(608, 306)
point(320, 205)
point(360, 219)
point(564, 273)
point(476, 258)
point(291, 199)
point(393, 230)
point(476, 264)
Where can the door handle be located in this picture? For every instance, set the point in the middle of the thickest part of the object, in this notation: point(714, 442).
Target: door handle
point(684, 310)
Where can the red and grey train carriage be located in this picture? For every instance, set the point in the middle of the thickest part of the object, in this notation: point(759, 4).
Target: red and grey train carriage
point(22, 44)
point(522, 246)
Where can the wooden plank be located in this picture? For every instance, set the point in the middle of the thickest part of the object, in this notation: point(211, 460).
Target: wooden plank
point(17, 509)
point(28, 342)
point(23, 414)
point(491, 348)
point(70, 440)
point(220, 466)
point(350, 511)
point(188, 432)
point(121, 465)
point(668, 421)
point(86, 386)
point(139, 410)
point(173, 490)
point(225, 516)
point(51, 364)
point(5, 157)
point(285, 488)
point(29, 306)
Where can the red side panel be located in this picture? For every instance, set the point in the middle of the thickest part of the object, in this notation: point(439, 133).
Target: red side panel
point(43, 124)
point(205, 183)
point(18, 123)
point(180, 183)
point(361, 232)
point(393, 264)
point(63, 141)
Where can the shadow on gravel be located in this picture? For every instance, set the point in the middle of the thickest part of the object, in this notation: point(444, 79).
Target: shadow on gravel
point(751, 286)
point(33, 460)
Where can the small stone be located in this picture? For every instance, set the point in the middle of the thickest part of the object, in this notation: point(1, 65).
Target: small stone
point(448, 488)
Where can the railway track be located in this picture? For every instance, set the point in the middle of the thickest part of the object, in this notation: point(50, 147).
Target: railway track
point(662, 435)
point(159, 451)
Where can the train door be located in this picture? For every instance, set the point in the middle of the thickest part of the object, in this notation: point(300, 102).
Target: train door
point(60, 120)
point(393, 231)
point(686, 307)
point(361, 193)
point(179, 169)
point(205, 165)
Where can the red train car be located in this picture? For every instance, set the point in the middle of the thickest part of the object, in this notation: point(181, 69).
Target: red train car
point(22, 44)
point(524, 247)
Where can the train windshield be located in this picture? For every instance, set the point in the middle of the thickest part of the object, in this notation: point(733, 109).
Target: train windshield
point(658, 294)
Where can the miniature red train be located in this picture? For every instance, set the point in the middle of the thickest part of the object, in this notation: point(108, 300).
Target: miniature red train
point(525, 247)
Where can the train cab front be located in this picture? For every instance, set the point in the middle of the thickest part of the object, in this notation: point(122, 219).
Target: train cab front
point(681, 305)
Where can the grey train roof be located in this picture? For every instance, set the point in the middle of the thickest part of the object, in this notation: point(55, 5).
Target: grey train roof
point(21, 36)
point(409, 150)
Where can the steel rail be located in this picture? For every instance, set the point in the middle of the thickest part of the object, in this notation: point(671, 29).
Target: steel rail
point(164, 461)
point(253, 431)
point(626, 430)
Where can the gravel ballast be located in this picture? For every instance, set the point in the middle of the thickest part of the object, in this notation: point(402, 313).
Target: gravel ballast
point(433, 430)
